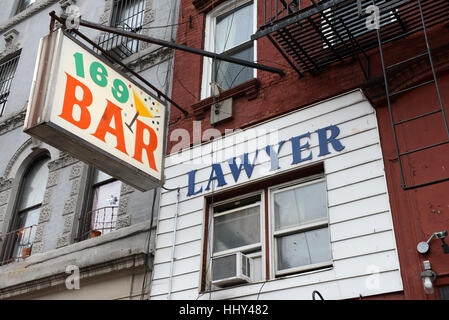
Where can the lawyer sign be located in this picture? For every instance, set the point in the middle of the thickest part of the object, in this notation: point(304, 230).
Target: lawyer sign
point(80, 104)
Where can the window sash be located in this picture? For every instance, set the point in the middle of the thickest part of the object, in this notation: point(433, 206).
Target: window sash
point(269, 263)
point(7, 72)
point(275, 235)
point(245, 247)
point(209, 44)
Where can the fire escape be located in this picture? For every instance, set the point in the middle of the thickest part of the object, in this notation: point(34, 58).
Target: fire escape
point(328, 31)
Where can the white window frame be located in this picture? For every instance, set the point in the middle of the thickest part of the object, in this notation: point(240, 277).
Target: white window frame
point(209, 43)
point(260, 246)
point(297, 229)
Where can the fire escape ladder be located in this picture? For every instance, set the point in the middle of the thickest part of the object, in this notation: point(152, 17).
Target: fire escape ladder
point(389, 95)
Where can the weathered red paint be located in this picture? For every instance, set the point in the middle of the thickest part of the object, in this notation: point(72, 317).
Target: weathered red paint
point(416, 213)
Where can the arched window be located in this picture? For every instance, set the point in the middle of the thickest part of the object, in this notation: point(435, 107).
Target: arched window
point(18, 242)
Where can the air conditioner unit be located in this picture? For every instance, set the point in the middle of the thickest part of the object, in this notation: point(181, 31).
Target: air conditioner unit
point(231, 269)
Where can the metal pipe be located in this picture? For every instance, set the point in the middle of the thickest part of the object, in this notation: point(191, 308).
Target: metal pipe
point(173, 45)
point(172, 261)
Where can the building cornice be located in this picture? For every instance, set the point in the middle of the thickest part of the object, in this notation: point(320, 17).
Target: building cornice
point(25, 14)
point(12, 122)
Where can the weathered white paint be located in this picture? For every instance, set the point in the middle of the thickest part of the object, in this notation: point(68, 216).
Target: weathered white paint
point(361, 229)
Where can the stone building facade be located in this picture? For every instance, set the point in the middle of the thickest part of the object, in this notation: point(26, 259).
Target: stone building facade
point(117, 264)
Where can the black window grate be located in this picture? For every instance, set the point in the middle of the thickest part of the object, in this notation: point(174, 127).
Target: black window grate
point(127, 15)
point(7, 71)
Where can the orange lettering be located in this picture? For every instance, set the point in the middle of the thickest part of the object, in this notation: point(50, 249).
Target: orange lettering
point(70, 100)
point(112, 111)
point(140, 145)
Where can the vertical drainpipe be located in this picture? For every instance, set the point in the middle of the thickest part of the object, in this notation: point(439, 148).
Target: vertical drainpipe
point(172, 261)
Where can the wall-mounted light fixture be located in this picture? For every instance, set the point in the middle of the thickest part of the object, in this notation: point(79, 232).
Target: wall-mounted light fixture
point(428, 276)
point(424, 246)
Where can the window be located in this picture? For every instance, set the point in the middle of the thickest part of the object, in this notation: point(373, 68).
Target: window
point(283, 229)
point(228, 32)
point(18, 243)
point(127, 15)
point(23, 4)
point(301, 227)
point(103, 199)
point(7, 71)
point(237, 228)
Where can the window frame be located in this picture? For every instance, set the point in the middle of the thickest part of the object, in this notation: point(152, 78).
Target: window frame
point(209, 41)
point(268, 248)
point(316, 225)
point(253, 250)
point(85, 219)
point(20, 7)
point(12, 59)
point(116, 44)
point(7, 251)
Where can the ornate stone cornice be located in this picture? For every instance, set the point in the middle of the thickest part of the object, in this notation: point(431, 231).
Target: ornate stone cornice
point(130, 263)
point(25, 14)
point(15, 157)
point(12, 122)
point(64, 160)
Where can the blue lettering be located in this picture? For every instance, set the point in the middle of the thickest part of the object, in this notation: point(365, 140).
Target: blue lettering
point(297, 147)
point(216, 174)
point(274, 156)
point(249, 167)
point(324, 140)
point(191, 189)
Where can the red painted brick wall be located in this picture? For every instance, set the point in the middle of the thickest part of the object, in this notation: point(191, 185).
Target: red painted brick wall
point(415, 212)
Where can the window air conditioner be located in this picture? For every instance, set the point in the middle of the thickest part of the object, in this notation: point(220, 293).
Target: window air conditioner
point(230, 269)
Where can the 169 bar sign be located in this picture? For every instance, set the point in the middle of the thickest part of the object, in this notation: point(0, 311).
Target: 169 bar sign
point(81, 105)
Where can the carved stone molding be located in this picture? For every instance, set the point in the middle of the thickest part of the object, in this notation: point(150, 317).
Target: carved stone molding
point(64, 4)
point(64, 160)
point(14, 158)
point(12, 122)
point(25, 14)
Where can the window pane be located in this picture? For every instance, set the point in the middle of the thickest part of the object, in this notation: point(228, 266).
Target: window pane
point(106, 195)
point(229, 75)
point(25, 4)
point(26, 233)
point(300, 205)
point(233, 28)
point(29, 218)
point(302, 249)
point(237, 229)
point(34, 184)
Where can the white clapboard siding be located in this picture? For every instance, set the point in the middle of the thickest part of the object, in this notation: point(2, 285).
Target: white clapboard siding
point(180, 266)
point(359, 208)
point(351, 143)
point(348, 131)
point(361, 232)
point(361, 226)
point(362, 122)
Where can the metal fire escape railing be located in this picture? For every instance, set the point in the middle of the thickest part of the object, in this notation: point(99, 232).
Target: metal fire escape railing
point(329, 31)
point(312, 38)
